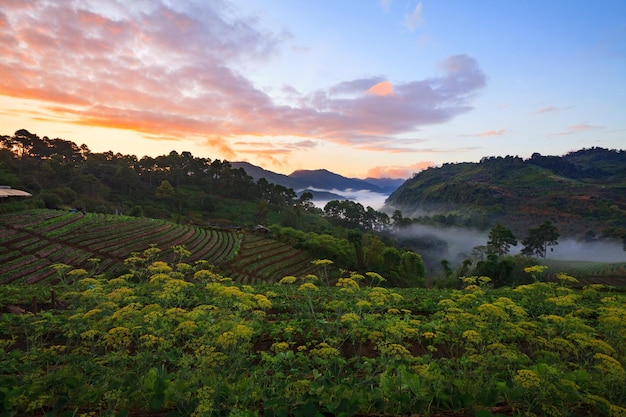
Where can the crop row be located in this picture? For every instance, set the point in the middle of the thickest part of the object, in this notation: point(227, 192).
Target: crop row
point(44, 237)
point(263, 260)
point(28, 218)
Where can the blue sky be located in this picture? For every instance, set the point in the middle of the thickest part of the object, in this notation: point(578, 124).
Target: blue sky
point(362, 88)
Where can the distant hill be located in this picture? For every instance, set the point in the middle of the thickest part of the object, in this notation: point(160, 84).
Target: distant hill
point(321, 182)
point(326, 180)
point(257, 173)
point(582, 192)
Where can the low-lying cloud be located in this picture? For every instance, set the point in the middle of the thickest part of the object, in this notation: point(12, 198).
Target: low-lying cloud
point(365, 197)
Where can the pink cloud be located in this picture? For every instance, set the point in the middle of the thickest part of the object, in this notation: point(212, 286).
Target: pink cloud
point(551, 109)
point(580, 128)
point(176, 72)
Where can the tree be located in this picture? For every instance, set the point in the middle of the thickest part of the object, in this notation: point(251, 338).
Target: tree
point(500, 240)
point(539, 239)
point(165, 190)
point(498, 269)
point(356, 238)
point(412, 269)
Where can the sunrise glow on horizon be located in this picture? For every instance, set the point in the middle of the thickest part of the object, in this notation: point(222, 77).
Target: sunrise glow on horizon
point(380, 88)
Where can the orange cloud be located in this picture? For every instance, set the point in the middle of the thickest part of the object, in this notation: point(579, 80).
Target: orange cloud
point(383, 88)
point(399, 171)
point(488, 133)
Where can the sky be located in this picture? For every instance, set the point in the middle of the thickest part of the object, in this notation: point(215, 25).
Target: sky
point(363, 88)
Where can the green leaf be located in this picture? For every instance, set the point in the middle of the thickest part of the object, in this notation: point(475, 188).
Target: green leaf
point(70, 382)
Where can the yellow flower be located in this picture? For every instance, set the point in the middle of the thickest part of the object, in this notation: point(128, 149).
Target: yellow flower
point(610, 367)
point(350, 318)
point(55, 349)
point(227, 339)
point(186, 327)
point(347, 283)
point(279, 347)
point(446, 303)
point(324, 351)
point(527, 379)
point(308, 286)
point(428, 335)
point(535, 269)
point(92, 312)
point(206, 275)
point(159, 267)
point(150, 340)
point(290, 279)
point(262, 301)
point(118, 337)
point(564, 278)
point(395, 351)
point(121, 294)
point(492, 310)
point(471, 336)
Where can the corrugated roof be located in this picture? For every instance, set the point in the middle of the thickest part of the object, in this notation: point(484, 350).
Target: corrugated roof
point(6, 191)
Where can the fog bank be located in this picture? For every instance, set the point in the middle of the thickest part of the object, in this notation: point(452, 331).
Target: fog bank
point(365, 197)
point(598, 251)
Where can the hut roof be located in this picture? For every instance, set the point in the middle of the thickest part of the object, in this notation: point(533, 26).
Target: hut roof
point(6, 191)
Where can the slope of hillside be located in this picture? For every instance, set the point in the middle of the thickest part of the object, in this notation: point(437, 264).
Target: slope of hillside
point(32, 241)
point(580, 192)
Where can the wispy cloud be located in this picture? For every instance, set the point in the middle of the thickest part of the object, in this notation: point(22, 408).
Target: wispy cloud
point(413, 20)
point(580, 128)
point(552, 109)
point(487, 133)
point(176, 70)
point(385, 4)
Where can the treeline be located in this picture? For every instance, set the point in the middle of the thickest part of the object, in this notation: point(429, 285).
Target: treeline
point(60, 173)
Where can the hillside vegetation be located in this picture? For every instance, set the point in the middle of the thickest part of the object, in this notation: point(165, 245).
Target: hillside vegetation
point(582, 192)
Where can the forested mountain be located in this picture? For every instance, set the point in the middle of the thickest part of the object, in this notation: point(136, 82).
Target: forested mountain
point(582, 192)
point(320, 179)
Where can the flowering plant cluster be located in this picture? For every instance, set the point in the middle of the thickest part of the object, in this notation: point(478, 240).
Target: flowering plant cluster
point(181, 338)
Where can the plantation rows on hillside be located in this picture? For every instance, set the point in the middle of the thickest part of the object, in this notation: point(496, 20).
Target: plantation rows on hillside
point(32, 241)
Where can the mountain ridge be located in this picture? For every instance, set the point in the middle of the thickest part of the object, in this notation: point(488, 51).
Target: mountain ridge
point(322, 183)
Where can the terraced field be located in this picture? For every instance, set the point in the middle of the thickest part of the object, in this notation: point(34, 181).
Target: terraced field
point(33, 240)
point(613, 274)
